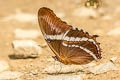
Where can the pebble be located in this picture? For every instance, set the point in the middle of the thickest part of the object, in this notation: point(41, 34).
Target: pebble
point(26, 49)
point(65, 77)
point(21, 16)
point(92, 67)
point(7, 75)
point(3, 65)
point(23, 34)
point(102, 68)
point(61, 68)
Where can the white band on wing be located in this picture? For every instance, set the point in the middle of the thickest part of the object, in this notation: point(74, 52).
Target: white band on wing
point(86, 50)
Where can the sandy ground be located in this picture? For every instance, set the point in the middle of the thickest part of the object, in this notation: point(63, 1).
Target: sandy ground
point(110, 41)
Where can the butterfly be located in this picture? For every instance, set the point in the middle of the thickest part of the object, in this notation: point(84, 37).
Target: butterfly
point(70, 45)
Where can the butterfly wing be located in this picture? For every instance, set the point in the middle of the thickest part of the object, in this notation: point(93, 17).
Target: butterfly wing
point(69, 44)
point(52, 28)
point(79, 47)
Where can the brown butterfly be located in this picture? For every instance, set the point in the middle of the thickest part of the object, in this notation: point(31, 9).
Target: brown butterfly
point(70, 45)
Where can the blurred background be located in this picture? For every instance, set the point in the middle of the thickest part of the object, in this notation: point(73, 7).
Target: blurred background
point(18, 17)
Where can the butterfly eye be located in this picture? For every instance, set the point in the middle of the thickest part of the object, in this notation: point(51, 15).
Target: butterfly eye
point(49, 41)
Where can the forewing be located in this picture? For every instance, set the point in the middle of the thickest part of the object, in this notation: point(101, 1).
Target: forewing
point(52, 28)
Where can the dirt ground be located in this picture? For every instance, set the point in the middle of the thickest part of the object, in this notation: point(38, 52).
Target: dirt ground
point(110, 44)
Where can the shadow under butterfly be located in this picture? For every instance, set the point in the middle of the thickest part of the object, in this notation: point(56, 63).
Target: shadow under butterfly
point(70, 45)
